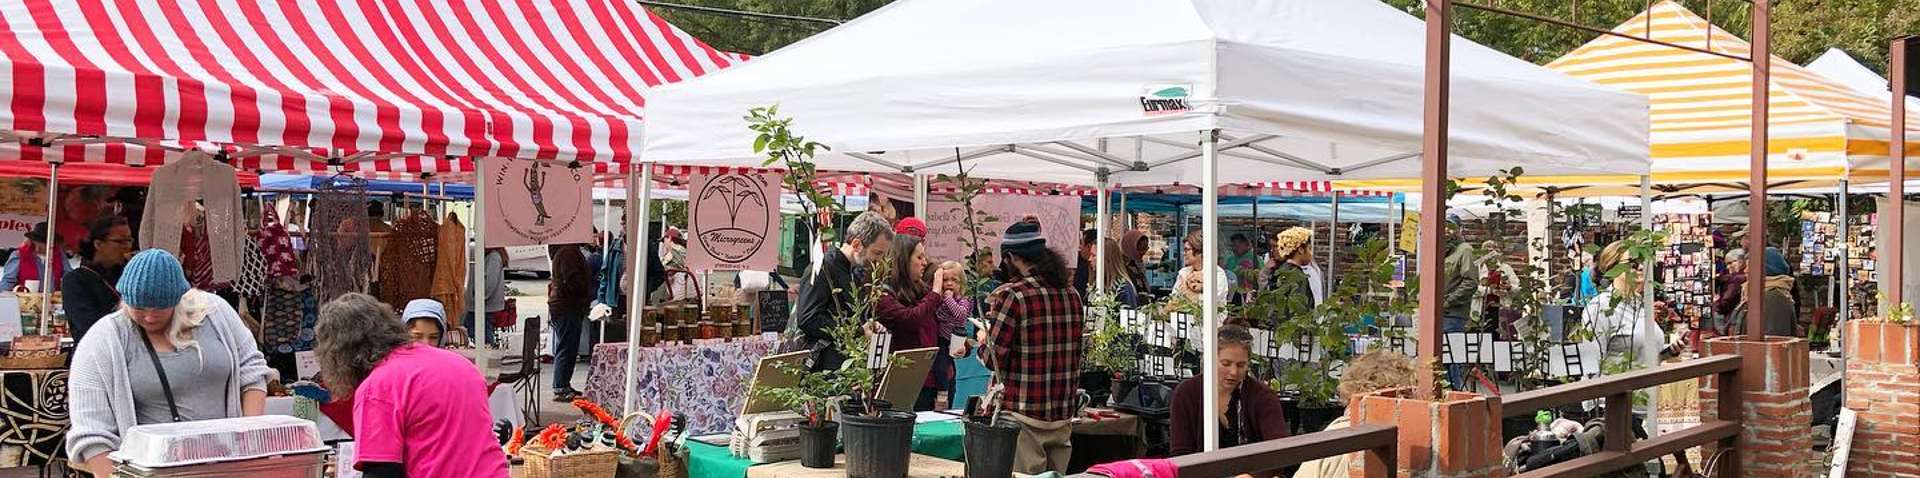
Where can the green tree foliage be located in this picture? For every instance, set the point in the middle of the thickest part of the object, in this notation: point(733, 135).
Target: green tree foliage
point(757, 36)
point(1802, 29)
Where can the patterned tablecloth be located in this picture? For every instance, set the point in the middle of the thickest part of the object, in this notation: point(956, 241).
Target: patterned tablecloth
point(33, 416)
point(705, 381)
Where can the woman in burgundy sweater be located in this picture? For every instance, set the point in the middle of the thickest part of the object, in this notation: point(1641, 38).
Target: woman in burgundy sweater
point(908, 311)
point(1249, 411)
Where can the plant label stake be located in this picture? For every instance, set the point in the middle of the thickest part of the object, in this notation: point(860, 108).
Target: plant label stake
point(878, 346)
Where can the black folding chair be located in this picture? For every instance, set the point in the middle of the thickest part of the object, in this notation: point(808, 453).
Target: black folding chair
point(526, 379)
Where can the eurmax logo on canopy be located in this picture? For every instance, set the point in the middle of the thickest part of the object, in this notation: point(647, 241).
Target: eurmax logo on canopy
point(1165, 99)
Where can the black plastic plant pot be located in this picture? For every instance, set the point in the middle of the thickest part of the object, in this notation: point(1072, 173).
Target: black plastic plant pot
point(1122, 389)
point(817, 445)
point(1099, 385)
point(990, 448)
point(877, 446)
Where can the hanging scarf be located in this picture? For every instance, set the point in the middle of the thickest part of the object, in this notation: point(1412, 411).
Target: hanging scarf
point(276, 248)
point(29, 268)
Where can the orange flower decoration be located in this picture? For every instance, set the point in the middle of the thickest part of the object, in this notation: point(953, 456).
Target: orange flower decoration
point(553, 437)
point(519, 440)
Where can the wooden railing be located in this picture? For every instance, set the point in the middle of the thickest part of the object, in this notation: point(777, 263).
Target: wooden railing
point(1620, 450)
point(1378, 443)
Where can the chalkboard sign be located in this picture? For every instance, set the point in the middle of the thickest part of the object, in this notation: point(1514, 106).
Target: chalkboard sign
point(772, 308)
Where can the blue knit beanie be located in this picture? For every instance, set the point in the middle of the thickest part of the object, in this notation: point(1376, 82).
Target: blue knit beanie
point(153, 280)
point(1776, 263)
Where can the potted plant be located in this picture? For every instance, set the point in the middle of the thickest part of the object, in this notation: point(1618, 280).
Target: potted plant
point(1110, 358)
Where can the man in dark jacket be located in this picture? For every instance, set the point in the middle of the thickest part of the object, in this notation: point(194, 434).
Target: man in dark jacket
point(827, 291)
point(569, 298)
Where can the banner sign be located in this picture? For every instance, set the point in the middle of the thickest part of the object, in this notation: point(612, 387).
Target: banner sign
point(23, 203)
point(947, 237)
point(531, 203)
point(735, 219)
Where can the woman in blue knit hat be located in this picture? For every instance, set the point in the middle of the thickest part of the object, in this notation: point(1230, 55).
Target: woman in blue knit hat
point(171, 353)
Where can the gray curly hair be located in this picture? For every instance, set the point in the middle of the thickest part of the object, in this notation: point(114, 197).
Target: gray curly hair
point(356, 332)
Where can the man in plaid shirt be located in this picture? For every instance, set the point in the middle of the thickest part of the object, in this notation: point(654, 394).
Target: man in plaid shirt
point(1033, 346)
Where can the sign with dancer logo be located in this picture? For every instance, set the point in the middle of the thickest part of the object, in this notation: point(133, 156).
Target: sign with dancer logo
point(735, 219)
point(532, 203)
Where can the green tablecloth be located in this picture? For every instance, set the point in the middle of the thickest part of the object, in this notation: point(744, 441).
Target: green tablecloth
point(936, 439)
point(940, 440)
point(708, 461)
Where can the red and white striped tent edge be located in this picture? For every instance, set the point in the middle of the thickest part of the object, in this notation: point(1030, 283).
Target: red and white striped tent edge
point(562, 80)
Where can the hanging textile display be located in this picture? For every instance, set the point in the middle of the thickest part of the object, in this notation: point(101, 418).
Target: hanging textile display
point(196, 179)
point(276, 249)
point(253, 273)
point(533, 203)
point(450, 270)
point(406, 271)
point(286, 320)
point(341, 260)
point(735, 219)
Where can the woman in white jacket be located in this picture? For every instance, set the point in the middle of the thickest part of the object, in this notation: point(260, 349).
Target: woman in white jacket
point(170, 354)
point(1618, 314)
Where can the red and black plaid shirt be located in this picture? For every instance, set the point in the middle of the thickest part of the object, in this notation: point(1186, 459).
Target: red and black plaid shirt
point(1036, 344)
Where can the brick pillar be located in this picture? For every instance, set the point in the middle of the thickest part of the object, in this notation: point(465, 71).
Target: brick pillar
point(1883, 387)
point(1456, 438)
point(1774, 376)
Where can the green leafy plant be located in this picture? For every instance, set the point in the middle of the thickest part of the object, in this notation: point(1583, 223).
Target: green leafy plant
point(817, 392)
point(975, 222)
point(782, 146)
point(1110, 348)
point(1899, 314)
point(1368, 296)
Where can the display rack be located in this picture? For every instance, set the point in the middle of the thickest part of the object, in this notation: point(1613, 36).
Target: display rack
point(1686, 264)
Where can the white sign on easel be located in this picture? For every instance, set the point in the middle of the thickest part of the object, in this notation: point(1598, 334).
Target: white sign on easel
point(306, 365)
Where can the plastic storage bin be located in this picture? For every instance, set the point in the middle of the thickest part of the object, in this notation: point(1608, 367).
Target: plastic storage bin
point(210, 441)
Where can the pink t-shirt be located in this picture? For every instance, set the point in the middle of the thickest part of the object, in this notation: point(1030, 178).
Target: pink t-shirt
point(426, 409)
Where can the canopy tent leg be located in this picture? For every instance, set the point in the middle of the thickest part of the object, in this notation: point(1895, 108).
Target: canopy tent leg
point(1841, 273)
point(638, 220)
point(605, 237)
point(921, 188)
point(1646, 291)
point(1100, 239)
point(1210, 255)
point(1333, 249)
point(53, 240)
point(477, 275)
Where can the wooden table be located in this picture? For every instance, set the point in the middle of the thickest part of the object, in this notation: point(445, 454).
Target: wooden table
point(921, 466)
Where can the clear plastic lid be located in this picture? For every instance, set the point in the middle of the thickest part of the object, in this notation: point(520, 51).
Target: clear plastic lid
point(207, 441)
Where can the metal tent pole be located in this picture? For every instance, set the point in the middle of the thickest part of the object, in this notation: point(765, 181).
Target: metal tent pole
point(479, 270)
point(1100, 238)
point(636, 298)
point(53, 240)
point(1210, 255)
point(1333, 248)
point(1841, 273)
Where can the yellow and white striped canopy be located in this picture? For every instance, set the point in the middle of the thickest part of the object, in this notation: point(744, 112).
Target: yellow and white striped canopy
point(1701, 107)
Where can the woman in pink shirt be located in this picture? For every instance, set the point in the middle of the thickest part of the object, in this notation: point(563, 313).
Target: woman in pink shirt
point(418, 411)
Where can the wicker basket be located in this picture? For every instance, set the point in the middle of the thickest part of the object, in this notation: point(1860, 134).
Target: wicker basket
point(33, 363)
point(590, 464)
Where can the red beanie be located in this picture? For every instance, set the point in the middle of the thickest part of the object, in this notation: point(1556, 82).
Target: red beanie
point(911, 226)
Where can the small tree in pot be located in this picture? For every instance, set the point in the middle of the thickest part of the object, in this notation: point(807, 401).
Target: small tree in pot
point(1111, 356)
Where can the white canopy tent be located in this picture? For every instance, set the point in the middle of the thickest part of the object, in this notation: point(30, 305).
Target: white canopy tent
point(1145, 92)
point(1840, 67)
point(1301, 89)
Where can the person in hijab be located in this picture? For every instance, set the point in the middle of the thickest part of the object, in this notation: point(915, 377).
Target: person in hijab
point(426, 321)
point(1781, 315)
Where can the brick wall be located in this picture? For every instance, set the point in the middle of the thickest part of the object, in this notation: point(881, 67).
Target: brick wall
point(1456, 438)
point(1883, 387)
point(1775, 441)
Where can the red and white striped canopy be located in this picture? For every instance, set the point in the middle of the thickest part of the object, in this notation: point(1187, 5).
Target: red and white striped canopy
point(542, 79)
